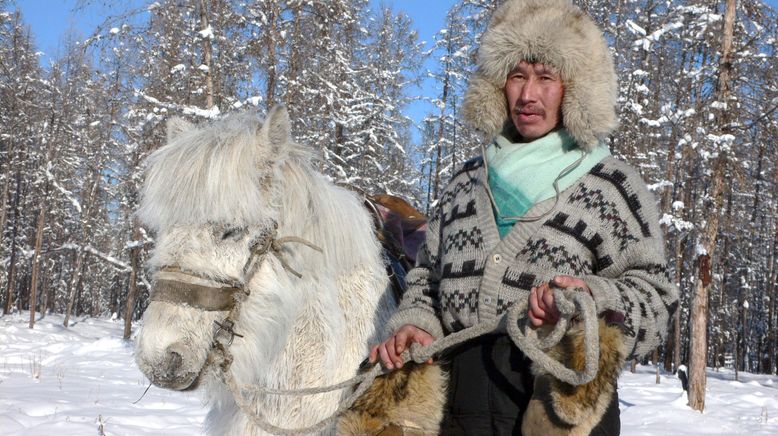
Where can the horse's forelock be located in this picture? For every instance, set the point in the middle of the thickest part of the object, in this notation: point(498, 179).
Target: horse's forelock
point(220, 173)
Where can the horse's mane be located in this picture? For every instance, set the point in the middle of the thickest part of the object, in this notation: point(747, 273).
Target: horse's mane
point(216, 173)
point(330, 216)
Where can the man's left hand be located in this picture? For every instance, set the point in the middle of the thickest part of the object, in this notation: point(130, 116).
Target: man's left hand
point(542, 307)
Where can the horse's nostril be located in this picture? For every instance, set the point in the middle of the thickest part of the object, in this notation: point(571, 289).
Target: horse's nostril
point(175, 360)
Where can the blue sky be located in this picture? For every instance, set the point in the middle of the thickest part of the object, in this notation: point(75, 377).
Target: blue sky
point(50, 19)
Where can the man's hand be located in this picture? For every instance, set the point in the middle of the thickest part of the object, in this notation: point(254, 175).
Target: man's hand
point(390, 349)
point(542, 307)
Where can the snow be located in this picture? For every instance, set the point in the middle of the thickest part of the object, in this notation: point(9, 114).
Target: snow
point(69, 195)
point(719, 105)
point(55, 380)
point(659, 185)
point(213, 112)
point(206, 33)
point(634, 28)
point(675, 222)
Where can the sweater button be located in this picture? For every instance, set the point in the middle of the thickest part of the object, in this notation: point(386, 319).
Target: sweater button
point(497, 258)
point(487, 300)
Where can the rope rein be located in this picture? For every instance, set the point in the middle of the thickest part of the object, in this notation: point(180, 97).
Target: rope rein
point(570, 302)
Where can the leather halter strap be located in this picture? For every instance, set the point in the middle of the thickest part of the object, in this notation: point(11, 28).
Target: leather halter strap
point(174, 286)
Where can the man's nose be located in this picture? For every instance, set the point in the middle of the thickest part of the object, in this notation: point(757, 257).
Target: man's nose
point(529, 90)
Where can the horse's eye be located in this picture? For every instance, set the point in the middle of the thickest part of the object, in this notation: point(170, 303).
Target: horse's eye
point(233, 233)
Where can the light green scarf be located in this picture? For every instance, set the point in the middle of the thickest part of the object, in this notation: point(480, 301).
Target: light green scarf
point(522, 174)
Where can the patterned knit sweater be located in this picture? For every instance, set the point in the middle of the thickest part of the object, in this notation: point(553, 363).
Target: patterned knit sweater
point(604, 229)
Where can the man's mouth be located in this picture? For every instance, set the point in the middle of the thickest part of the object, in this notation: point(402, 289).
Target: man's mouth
point(529, 116)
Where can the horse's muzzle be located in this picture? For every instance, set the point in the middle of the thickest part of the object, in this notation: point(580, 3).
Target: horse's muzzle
point(173, 372)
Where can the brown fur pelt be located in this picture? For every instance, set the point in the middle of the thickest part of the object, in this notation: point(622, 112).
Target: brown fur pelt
point(408, 401)
point(558, 408)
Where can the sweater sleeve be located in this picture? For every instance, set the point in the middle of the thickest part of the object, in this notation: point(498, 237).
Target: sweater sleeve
point(420, 305)
point(635, 282)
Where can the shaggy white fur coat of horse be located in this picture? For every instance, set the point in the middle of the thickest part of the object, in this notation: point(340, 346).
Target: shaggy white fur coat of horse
point(208, 193)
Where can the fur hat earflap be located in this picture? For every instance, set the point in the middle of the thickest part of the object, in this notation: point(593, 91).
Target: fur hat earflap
point(557, 33)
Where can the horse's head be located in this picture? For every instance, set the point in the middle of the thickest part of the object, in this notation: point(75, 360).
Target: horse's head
point(210, 196)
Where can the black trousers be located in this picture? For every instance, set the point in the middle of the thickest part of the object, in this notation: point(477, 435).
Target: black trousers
point(490, 387)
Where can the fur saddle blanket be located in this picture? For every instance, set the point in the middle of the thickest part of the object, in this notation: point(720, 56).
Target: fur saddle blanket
point(411, 401)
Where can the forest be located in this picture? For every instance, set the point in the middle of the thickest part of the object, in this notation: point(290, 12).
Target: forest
point(698, 112)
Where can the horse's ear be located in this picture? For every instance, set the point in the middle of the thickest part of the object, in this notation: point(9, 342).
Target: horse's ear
point(278, 126)
point(176, 126)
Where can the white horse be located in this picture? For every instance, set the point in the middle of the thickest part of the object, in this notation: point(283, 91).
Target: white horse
point(214, 194)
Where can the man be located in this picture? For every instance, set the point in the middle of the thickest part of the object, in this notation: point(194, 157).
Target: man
point(547, 207)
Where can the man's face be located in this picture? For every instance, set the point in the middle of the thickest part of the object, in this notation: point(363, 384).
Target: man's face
point(534, 93)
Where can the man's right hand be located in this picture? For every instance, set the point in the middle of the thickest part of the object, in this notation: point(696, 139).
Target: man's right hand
point(391, 349)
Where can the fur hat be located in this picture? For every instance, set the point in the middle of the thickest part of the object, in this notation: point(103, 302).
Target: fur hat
point(553, 32)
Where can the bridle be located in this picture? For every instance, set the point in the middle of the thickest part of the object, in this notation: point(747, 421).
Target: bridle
point(176, 286)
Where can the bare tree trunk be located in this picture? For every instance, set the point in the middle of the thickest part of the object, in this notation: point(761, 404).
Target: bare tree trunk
point(45, 293)
point(772, 277)
point(699, 343)
point(206, 55)
point(698, 355)
point(746, 363)
point(133, 283)
point(271, 39)
point(12, 261)
point(6, 190)
point(74, 282)
point(678, 258)
point(670, 346)
point(35, 262)
point(442, 120)
point(665, 207)
point(736, 351)
point(673, 345)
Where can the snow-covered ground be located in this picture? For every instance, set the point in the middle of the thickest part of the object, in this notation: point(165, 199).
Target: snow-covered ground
point(80, 380)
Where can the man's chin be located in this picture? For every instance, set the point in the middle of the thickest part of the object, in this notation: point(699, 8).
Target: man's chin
point(531, 127)
point(531, 134)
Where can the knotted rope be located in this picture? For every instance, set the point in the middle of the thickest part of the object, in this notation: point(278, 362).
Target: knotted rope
point(271, 244)
point(570, 302)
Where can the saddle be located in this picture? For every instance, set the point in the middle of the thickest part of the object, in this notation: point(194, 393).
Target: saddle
point(401, 229)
